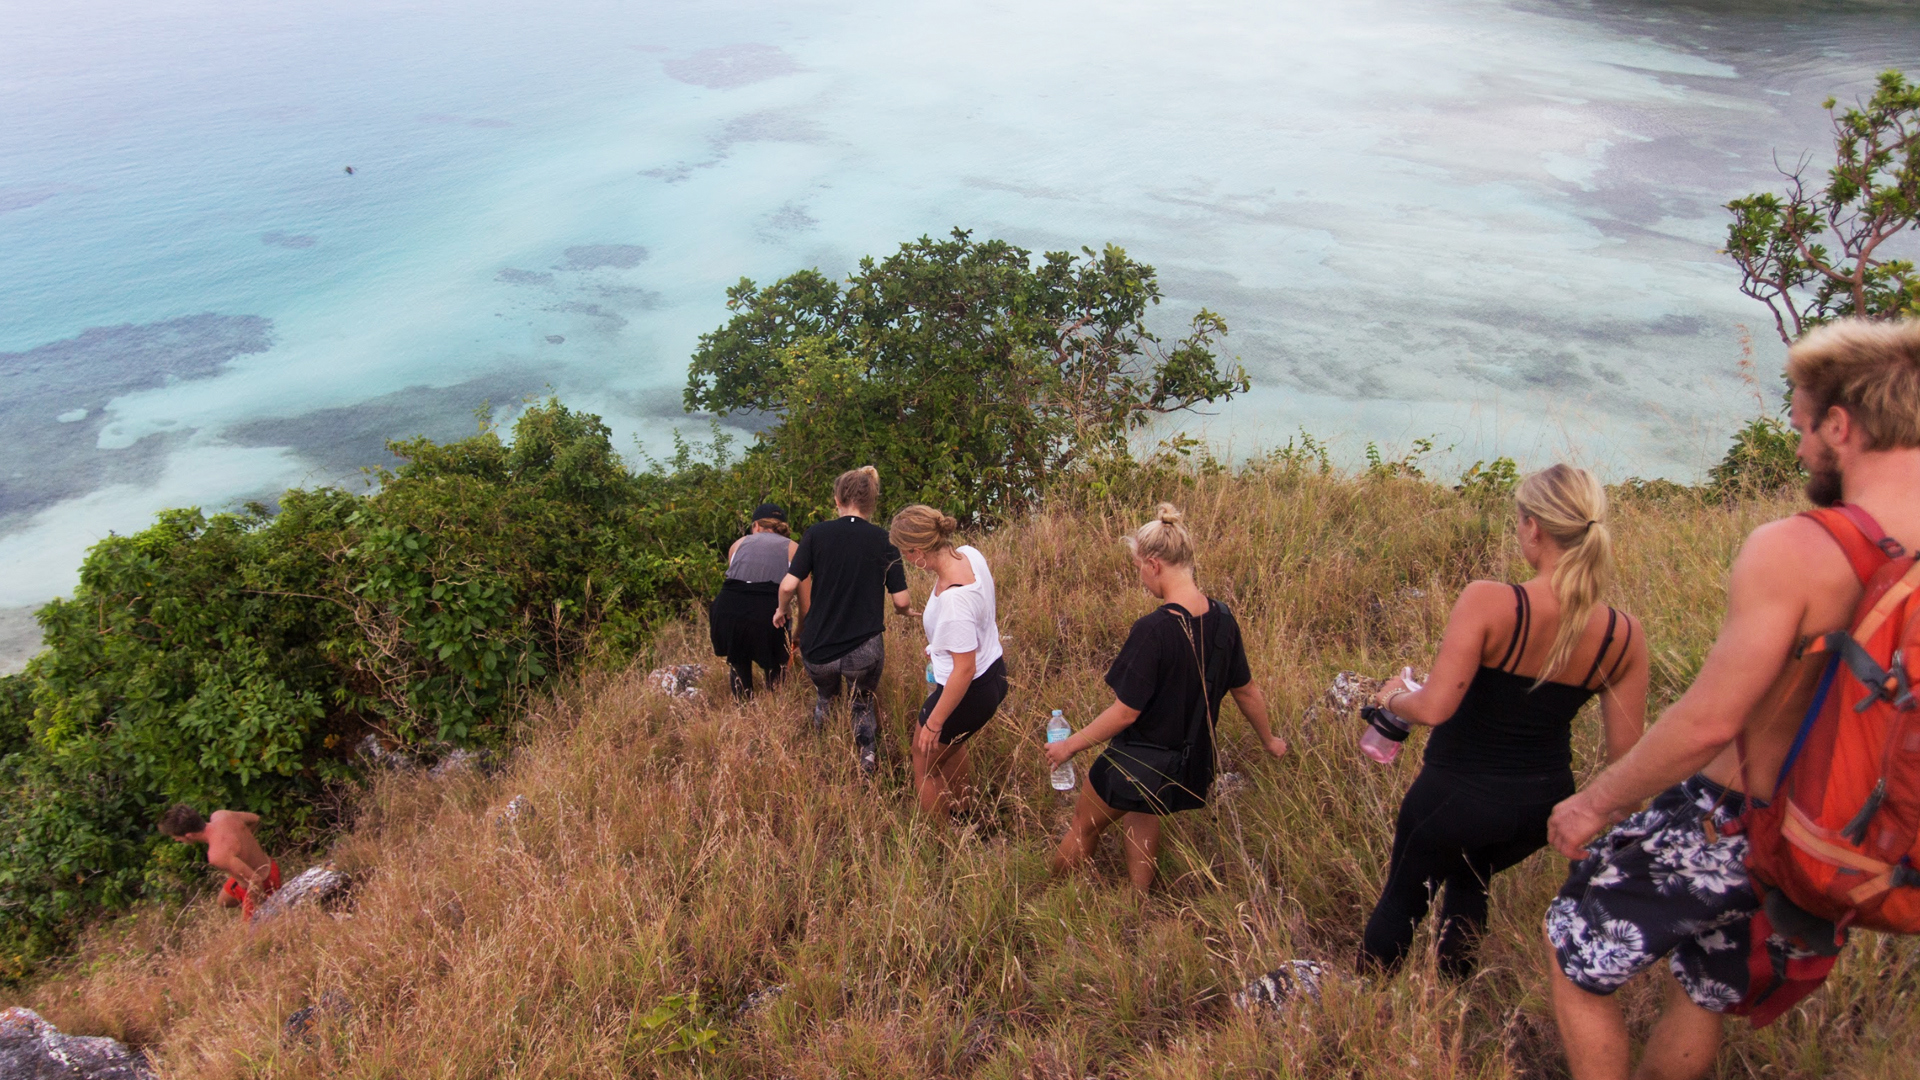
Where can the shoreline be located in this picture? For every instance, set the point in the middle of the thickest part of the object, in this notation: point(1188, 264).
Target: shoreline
point(19, 639)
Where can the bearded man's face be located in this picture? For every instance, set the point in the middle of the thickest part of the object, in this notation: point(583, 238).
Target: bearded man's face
point(1816, 455)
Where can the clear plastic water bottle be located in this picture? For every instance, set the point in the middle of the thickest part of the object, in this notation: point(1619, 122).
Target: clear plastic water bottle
point(1057, 731)
point(1379, 745)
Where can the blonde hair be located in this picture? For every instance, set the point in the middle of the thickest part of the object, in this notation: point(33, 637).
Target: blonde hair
point(858, 488)
point(922, 528)
point(1570, 507)
point(773, 525)
point(1163, 538)
point(1870, 369)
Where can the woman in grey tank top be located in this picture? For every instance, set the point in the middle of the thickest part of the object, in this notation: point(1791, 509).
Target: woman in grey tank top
point(741, 617)
point(760, 557)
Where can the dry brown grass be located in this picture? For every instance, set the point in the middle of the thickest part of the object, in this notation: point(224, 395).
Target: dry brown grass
point(720, 848)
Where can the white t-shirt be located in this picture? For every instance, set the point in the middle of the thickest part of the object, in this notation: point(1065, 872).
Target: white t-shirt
point(963, 619)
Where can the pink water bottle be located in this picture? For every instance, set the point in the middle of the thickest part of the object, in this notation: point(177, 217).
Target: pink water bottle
point(1385, 730)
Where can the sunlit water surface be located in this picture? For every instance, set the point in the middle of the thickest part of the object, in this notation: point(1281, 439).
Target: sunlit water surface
point(1489, 221)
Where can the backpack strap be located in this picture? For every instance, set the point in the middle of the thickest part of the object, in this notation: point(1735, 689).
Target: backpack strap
point(1218, 655)
point(1866, 545)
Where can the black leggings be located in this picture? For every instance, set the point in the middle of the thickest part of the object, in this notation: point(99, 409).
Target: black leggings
point(1456, 830)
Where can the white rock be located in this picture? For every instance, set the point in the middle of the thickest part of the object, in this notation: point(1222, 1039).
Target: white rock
point(680, 680)
point(1286, 984)
point(518, 810)
point(456, 761)
point(1350, 690)
point(315, 885)
point(32, 1049)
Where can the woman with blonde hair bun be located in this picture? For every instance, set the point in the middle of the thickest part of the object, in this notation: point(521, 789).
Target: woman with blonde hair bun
point(963, 644)
point(1178, 665)
point(1515, 665)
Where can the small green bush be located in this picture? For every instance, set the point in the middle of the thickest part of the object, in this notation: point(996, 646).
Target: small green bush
point(1761, 460)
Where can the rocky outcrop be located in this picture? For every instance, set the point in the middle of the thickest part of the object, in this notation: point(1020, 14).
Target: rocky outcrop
point(322, 885)
point(333, 1005)
point(760, 1001)
point(32, 1049)
point(454, 763)
point(1349, 691)
point(1286, 984)
point(680, 680)
point(518, 810)
point(374, 754)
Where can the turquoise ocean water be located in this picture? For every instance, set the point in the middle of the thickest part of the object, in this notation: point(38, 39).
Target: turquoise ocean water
point(1487, 220)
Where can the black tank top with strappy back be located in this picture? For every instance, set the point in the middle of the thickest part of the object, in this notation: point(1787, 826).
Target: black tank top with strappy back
point(1504, 725)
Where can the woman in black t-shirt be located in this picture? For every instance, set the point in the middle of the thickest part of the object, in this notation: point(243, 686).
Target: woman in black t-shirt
point(1178, 664)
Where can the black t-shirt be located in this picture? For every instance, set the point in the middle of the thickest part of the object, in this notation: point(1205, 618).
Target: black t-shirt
point(854, 568)
point(1158, 672)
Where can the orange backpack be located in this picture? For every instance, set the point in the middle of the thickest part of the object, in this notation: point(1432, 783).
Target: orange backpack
point(1841, 836)
point(1836, 846)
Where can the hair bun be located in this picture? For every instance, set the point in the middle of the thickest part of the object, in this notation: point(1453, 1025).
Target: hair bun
point(870, 471)
point(947, 525)
point(1168, 514)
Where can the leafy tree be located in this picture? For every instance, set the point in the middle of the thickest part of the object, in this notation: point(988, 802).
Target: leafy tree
point(966, 371)
point(1823, 252)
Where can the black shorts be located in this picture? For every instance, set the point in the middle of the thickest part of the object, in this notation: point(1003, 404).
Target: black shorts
point(982, 699)
point(1116, 779)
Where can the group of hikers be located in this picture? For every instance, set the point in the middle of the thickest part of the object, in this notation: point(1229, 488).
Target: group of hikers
point(1647, 880)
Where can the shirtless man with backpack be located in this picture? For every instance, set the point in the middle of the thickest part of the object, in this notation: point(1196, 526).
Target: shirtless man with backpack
point(1673, 880)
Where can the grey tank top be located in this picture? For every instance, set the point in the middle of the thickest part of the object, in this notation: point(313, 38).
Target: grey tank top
point(760, 557)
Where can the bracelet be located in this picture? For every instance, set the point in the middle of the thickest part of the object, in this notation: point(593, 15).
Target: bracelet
point(1393, 697)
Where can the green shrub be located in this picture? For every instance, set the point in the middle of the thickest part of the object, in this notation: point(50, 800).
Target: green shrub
point(1761, 460)
point(234, 660)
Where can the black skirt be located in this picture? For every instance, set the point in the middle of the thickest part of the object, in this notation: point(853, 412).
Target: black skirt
point(978, 702)
point(741, 623)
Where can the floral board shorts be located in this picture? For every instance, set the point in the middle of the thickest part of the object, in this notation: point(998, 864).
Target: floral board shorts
point(1656, 885)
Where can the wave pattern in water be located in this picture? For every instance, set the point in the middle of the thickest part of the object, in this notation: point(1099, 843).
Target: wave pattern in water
point(1488, 220)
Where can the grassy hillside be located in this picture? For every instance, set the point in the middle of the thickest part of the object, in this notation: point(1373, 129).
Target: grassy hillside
point(712, 848)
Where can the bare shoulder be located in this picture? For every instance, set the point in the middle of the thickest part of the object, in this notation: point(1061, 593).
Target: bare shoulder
point(1485, 596)
point(232, 819)
point(1792, 554)
point(1630, 624)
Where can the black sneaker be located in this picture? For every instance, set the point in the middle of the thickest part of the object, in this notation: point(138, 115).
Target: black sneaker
point(869, 761)
point(820, 715)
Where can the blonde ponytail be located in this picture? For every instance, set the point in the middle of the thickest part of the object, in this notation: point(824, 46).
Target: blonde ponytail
point(1570, 507)
point(1163, 538)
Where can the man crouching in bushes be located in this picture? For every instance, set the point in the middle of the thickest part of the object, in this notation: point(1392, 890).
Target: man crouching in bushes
point(230, 847)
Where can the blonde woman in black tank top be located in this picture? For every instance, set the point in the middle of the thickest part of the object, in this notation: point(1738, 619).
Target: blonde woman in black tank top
point(1516, 663)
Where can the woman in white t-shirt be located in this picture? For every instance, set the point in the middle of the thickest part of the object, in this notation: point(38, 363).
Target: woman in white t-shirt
point(963, 642)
